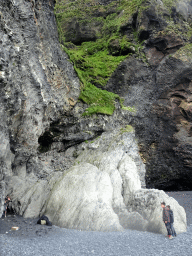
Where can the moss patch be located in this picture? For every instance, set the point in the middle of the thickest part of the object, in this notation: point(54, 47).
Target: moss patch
point(100, 101)
point(169, 3)
point(93, 61)
point(184, 53)
point(128, 128)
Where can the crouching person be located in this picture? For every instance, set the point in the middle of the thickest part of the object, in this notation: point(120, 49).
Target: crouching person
point(44, 221)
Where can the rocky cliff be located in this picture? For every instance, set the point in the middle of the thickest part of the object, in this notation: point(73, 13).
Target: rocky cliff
point(38, 86)
point(54, 118)
point(149, 43)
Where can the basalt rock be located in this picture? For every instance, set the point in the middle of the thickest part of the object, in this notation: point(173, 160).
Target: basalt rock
point(43, 135)
point(159, 88)
point(38, 84)
point(161, 97)
point(78, 33)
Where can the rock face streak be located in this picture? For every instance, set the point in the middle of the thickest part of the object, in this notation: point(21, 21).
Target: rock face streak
point(43, 134)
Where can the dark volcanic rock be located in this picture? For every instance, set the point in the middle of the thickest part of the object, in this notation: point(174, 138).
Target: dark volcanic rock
point(116, 49)
point(159, 88)
point(77, 32)
point(42, 126)
point(37, 82)
point(162, 98)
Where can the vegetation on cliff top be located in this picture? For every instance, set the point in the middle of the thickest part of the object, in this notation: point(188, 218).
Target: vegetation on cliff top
point(96, 58)
point(92, 60)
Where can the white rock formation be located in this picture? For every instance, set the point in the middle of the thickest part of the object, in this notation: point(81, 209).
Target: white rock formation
point(83, 199)
point(148, 203)
point(103, 191)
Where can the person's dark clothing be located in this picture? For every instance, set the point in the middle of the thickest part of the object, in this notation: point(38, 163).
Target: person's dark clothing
point(173, 230)
point(168, 227)
point(171, 216)
point(171, 223)
point(43, 217)
point(5, 206)
point(166, 215)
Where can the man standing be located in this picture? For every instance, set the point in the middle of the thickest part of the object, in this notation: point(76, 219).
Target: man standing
point(166, 219)
point(171, 221)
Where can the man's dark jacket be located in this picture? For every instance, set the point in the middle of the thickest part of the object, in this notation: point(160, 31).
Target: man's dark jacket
point(166, 215)
point(171, 216)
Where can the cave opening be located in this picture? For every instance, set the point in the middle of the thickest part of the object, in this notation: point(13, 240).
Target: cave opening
point(10, 211)
point(144, 35)
point(45, 142)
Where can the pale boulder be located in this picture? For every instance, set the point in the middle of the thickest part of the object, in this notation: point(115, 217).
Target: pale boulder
point(83, 199)
point(29, 194)
point(101, 192)
point(131, 181)
point(148, 203)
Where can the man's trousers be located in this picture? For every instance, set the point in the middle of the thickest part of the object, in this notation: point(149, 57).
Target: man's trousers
point(168, 227)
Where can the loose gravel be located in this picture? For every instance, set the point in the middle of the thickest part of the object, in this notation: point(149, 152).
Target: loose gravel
point(42, 240)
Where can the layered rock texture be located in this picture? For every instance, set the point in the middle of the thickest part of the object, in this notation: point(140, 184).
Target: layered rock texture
point(86, 171)
point(38, 86)
point(103, 190)
point(154, 79)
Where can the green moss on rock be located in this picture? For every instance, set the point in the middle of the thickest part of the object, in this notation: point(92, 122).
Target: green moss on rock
point(184, 53)
point(100, 101)
point(128, 128)
point(95, 61)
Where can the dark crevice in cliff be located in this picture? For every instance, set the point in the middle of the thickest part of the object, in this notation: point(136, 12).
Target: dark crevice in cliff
point(45, 141)
point(70, 143)
point(144, 35)
point(134, 22)
point(68, 135)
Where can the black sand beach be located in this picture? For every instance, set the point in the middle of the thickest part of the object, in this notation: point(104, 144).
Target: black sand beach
point(33, 239)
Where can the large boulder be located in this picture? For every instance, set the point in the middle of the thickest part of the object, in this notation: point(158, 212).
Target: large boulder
point(83, 199)
point(103, 190)
point(148, 203)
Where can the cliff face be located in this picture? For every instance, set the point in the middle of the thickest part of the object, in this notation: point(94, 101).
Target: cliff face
point(41, 120)
point(43, 130)
point(37, 83)
point(153, 77)
point(160, 89)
